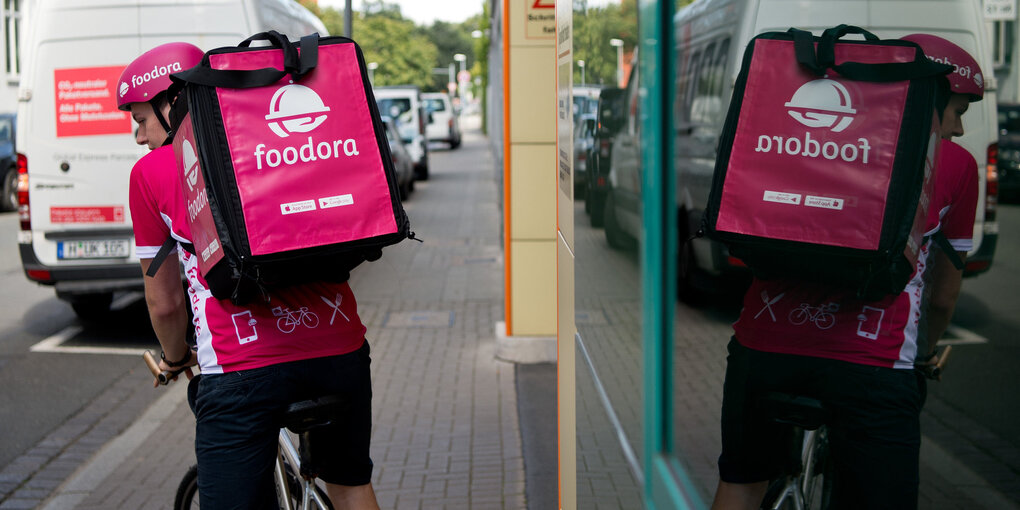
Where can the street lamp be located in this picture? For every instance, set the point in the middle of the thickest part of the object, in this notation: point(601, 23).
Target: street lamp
point(372, 66)
point(462, 58)
point(619, 60)
point(580, 63)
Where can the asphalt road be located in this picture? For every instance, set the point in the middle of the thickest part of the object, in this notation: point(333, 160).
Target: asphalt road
point(39, 391)
point(982, 378)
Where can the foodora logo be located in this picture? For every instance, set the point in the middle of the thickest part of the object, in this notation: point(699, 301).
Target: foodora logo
point(825, 104)
point(299, 109)
point(295, 109)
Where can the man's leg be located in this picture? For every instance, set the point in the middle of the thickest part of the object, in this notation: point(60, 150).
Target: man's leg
point(346, 497)
point(875, 440)
point(734, 496)
point(752, 444)
point(235, 440)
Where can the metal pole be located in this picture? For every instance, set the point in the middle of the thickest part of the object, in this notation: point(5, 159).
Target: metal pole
point(348, 20)
point(619, 66)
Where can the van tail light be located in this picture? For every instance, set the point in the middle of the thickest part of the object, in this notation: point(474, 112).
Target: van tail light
point(992, 182)
point(24, 212)
point(735, 262)
point(39, 275)
point(450, 124)
point(604, 146)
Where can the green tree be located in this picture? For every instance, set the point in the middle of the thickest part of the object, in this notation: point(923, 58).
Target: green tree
point(594, 27)
point(403, 54)
point(451, 39)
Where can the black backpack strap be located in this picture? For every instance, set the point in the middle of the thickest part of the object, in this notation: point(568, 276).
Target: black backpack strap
point(943, 242)
point(164, 252)
point(823, 57)
point(294, 64)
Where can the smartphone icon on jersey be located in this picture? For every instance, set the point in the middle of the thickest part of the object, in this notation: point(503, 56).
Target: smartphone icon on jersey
point(870, 322)
point(244, 325)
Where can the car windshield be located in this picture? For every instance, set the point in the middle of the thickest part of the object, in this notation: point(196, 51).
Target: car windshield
point(394, 106)
point(435, 105)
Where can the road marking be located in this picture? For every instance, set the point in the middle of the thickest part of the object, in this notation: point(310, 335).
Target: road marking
point(55, 342)
point(959, 336)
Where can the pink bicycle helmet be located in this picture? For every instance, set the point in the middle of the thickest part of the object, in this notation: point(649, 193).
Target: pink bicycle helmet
point(966, 77)
point(149, 74)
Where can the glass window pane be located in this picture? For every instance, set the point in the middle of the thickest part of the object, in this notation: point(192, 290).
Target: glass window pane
point(607, 220)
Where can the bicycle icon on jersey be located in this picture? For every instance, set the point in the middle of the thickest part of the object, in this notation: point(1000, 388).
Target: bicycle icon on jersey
point(821, 316)
point(288, 320)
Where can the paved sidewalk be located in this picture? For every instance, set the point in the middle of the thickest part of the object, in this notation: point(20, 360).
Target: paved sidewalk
point(446, 431)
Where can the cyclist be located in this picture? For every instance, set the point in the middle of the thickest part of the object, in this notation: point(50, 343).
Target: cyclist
point(861, 364)
point(252, 369)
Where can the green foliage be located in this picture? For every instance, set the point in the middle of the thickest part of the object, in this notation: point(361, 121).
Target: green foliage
point(450, 39)
point(405, 53)
point(594, 26)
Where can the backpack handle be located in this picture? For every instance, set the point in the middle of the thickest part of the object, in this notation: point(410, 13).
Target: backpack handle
point(823, 58)
point(295, 64)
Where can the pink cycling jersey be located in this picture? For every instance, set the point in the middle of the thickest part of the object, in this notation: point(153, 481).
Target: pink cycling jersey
point(298, 322)
point(811, 320)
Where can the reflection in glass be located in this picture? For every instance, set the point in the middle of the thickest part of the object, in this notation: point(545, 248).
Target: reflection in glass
point(607, 268)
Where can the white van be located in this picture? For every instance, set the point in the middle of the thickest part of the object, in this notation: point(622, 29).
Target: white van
point(711, 36)
point(76, 149)
point(444, 124)
point(405, 103)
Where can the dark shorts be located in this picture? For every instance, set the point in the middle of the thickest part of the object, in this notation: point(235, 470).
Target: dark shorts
point(874, 433)
point(238, 419)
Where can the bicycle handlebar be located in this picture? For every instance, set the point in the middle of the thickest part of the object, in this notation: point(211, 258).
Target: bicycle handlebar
point(163, 376)
point(934, 371)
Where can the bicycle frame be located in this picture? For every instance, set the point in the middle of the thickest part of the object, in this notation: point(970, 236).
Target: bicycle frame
point(288, 454)
point(797, 488)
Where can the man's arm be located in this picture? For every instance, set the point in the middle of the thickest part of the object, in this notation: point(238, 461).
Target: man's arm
point(946, 283)
point(164, 295)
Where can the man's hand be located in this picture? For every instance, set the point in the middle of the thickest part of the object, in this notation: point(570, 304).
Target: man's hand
point(174, 372)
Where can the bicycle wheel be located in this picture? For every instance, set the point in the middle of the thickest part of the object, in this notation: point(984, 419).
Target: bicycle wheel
point(187, 490)
point(798, 316)
point(825, 321)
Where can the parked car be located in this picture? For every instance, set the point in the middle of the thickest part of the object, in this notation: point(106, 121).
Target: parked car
point(585, 100)
point(8, 162)
point(401, 159)
point(584, 138)
point(1008, 164)
point(404, 103)
point(444, 124)
point(609, 111)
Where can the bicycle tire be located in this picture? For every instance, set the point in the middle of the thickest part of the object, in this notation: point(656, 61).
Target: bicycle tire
point(187, 490)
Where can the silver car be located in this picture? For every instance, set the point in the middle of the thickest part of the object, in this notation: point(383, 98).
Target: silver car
point(402, 161)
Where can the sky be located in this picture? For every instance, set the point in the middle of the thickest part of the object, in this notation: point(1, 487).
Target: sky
point(424, 12)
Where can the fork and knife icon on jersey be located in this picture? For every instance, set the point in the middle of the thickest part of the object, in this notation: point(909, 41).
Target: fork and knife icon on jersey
point(335, 305)
point(768, 304)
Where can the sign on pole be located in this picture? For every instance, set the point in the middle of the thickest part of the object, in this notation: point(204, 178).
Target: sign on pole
point(1000, 10)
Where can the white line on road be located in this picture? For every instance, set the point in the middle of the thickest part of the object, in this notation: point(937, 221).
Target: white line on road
point(959, 336)
point(55, 343)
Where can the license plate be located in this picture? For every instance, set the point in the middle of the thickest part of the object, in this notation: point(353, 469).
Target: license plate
point(104, 249)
